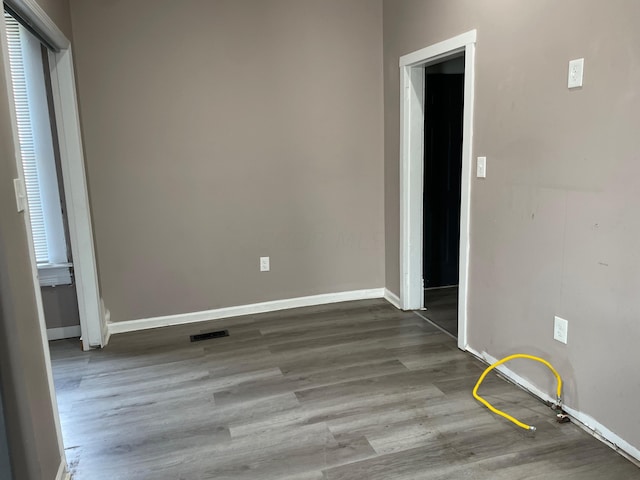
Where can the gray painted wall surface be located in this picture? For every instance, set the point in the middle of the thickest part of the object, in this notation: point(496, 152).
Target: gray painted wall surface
point(58, 11)
point(60, 306)
point(29, 414)
point(5, 467)
point(218, 132)
point(30, 421)
point(555, 226)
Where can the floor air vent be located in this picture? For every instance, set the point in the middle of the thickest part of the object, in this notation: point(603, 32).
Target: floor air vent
point(206, 336)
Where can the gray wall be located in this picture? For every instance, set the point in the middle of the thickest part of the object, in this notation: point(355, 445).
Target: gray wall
point(5, 467)
point(30, 421)
point(555, 226)
point(60, 306)
point(217, 132)
point(29, 414)
point(58, 11)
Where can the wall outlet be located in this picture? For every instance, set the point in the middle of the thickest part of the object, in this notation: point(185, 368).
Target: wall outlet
point(576, 70)
point(560, 329)
point(264, 264)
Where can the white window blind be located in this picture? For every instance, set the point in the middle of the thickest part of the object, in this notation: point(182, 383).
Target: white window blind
point(27, 139)
point(33, 122)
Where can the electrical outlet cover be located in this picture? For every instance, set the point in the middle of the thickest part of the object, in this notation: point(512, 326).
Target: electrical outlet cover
point(560, 329)
point(576, 70)
point(264, 264)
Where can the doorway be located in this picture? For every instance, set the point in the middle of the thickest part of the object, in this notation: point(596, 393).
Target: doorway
point(62, 102)
point(442, 172)
point(412, 144)
point(40, 157)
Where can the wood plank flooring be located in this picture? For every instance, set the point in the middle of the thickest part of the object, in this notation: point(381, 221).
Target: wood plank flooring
point(441, 307)
point(350, 391)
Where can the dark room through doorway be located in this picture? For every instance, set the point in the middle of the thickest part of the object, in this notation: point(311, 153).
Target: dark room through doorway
point(444, 102)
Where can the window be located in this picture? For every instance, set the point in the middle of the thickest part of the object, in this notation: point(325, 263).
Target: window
point(38, 156)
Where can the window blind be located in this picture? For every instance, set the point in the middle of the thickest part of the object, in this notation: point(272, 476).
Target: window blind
point(26, 139)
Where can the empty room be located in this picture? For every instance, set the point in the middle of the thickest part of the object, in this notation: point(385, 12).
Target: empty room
point(319, 239)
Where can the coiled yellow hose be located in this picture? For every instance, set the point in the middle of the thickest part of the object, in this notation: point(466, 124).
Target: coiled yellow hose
point(500, 412)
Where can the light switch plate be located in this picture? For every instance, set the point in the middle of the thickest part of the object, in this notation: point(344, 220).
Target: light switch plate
point(576, 70)
point(481, 167)
point(21, 194)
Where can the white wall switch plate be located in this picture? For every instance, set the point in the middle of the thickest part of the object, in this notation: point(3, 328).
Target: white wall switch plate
point(481, 167)
point(21, 194)
point(560, 329)
point(576, 69)
point(264, 264)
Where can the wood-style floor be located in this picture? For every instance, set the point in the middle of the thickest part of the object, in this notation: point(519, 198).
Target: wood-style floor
point(441, 307)
point(342, 392)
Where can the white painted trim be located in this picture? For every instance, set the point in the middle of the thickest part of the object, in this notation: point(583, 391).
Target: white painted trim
point(586, 422)
point(106, 319)
point(465, 192)
point(59, 333)
point(438, 51)
point(392, 298)
point(228, 312)
point(411, 172)
point(411, 188)
point(77, 198)
point(36, 16)
point(63, 473)
point(602, 433)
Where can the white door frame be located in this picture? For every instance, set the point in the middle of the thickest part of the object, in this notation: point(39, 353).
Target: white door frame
point(92, 324)
point(411, 171)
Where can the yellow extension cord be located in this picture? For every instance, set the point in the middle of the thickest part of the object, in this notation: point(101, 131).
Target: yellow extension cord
point(500, 412)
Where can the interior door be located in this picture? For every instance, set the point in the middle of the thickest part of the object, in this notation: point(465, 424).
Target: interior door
point(444, 98)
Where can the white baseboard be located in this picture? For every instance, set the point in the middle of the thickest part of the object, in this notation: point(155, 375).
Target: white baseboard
point(106, 319)
point(63, 474)
point(586, 422)
point(228, 312)
point(392, 298)
point(63, 332)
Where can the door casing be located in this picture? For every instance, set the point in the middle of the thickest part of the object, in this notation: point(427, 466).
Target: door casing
point(411, 171)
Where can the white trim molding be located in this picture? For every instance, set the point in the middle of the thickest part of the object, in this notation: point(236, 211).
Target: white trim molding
point(392, 298)
point(59, 333)
point(106, 319)
point(584, 421)
point(63, 472)
point(76, 198)
point(32, 12)
point(438, 51)
point(236, 311)
point(411, 171)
